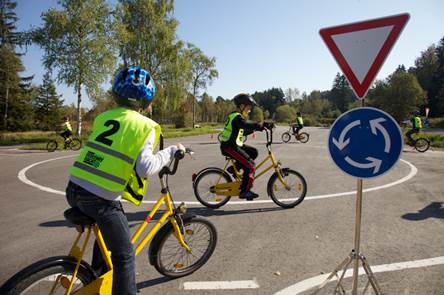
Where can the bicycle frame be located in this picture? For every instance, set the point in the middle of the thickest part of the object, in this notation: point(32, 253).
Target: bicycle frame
point(233, 188)
point(103, 284)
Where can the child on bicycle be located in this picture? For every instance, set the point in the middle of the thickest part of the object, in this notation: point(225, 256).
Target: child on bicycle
point(298, 125)
point(416, 126)
point(114, 164)
point(232, 145)
point(67, 131)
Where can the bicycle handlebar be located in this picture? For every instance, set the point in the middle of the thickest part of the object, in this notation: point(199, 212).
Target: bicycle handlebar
point(179, 155)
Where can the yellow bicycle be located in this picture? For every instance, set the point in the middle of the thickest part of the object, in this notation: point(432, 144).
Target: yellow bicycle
point(178, 248)
point(214, 187)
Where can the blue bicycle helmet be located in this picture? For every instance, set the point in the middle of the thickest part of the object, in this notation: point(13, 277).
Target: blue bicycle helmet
point(134, 84)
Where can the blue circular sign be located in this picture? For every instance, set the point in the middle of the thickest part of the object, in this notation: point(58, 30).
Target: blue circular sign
point(365, 142)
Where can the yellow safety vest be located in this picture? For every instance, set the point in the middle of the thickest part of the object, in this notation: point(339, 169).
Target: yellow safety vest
point(108, 158)
point(300, 121)
point(67, 126)
point(418, 123)
point(228, 129)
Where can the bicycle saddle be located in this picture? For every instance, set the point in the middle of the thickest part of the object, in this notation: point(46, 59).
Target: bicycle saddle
point(75, 216)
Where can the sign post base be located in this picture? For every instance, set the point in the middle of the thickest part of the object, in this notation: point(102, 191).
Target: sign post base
point(355, 256)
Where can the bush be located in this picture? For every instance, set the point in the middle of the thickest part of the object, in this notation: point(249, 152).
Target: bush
point(183, 119)
point(437, 123)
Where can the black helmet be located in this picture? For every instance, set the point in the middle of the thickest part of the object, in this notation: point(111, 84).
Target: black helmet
point(244, 98)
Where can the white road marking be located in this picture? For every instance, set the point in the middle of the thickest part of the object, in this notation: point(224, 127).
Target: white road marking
point(22, 177)
point(220, 285)
point(318, 280)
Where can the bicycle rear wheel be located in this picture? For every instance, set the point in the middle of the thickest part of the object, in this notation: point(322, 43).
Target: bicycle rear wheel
point(204, 187)
point(172, 260)
point(422, 145)
point(75, 144)
point(303, 137)
point(51, 145)
point(55, 277)
point(287, 196)
point(286, 137)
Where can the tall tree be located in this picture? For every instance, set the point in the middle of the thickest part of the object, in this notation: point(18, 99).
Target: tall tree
point(47, 105)
point(148, 39)
point(341, 94)
point(14, 89)
point(79, 41)
point(436, 91)
point(203, 71)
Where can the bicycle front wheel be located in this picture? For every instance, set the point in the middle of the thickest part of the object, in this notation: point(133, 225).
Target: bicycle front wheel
point(172, 260)
point(291, 193)
point(53, 279)
point(303, 137)
point(422, 145)
point(204, 187)
point(286, 137)
point(51, 145)
point(75, 144)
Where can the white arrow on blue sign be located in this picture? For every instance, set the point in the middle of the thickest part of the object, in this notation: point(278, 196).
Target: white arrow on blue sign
point(365, 142)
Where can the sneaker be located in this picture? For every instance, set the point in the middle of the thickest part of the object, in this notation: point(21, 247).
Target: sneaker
point(248, 195)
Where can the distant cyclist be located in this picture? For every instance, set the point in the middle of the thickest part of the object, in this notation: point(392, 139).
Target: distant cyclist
point(67, 130)
point(299, 124)
point(416, 126)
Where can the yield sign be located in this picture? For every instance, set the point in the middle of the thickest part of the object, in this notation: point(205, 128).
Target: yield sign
point(360, 48)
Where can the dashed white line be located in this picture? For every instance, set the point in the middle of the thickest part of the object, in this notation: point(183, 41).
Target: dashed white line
point(220, 285)
point(318, 280)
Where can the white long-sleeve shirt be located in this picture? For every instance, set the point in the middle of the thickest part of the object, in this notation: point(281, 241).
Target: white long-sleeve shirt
point(147, 164)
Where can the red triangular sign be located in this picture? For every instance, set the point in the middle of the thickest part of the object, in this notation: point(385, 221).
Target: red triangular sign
point(361, 48)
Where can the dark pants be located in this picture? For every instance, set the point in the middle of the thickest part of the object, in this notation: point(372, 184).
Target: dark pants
point(244, 157)
point(296, 128)
point(66, 134)
point(410, 133)
point(113, 225)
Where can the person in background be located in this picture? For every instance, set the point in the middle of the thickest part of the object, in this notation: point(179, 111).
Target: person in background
point(416, 126)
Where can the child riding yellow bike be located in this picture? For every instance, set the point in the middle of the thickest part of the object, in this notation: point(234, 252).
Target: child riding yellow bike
point(114, 163)
point(232, 144)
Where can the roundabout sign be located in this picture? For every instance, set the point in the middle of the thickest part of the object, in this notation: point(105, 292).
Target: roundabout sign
point(365, 142)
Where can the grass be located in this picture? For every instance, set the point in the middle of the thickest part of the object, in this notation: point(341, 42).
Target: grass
point(436, 140)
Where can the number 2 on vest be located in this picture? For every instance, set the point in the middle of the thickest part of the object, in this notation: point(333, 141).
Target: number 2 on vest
point(102, 137)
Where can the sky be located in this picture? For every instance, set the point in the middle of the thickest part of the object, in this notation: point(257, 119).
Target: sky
point(262, 44)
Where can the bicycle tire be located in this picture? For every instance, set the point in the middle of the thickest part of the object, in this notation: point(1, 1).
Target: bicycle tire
point(202, 187)
point(51, 145)
point(422, 145)
point(286, 137)
point(30, 284)
point(171, 263)
point(303, 137)
point(274, 185)
point(75, 144)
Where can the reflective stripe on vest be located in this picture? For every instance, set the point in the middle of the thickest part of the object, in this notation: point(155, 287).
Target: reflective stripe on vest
point(228, 129)
point(108, 158)
point(418, 123)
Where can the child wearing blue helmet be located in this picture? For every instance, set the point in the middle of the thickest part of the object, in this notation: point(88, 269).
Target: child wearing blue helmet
point(114, 164)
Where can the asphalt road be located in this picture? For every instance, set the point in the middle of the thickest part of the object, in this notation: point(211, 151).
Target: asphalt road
point(271, 248)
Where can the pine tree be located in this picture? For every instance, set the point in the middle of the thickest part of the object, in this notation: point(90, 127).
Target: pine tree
point(15, 91)
point(47, 105)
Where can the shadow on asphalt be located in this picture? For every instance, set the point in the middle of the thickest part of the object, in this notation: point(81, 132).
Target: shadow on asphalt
point(136, 218)
point(152, 282)
point(434, 210)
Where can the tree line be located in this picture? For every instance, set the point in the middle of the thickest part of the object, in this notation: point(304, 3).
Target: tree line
point(86, 42)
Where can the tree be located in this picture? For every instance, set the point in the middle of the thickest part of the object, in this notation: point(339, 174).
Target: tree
point(341, 94)
point(202, 69)
point(399, 95)
point(15, 91)
point(285, 113)
point(257, 114)
point(78, 41)
point(47, 105)
point(436, 97)
point(147, 38)
point(292, 94)
point(270, 99)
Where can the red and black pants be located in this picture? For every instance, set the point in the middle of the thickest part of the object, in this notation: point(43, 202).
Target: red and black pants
point(244, 157)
